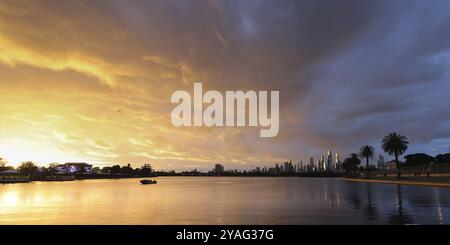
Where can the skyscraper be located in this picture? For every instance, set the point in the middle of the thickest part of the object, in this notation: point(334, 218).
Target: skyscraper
point(311, 165)
point(337, 163)
point(380, 163)
point(329, 161)
point(322, 163)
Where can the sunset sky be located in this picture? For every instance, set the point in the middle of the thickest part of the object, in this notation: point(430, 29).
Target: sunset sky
point(92, 80)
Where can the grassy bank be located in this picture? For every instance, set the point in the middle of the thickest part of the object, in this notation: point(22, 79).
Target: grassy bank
point(418, 181)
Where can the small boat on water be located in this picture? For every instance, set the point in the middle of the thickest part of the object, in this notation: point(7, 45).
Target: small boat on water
point(148, 182)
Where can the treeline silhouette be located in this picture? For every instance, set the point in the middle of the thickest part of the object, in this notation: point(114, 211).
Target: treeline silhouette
point(395, 145)
point(286, 169)
point(40, 173)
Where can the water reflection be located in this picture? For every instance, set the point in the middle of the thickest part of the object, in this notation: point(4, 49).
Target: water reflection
point(9, 198)
point(354, 197)
point(396, 204)
point(209, 200)
point(370, 210)
point(439, 209)
point(399, 215)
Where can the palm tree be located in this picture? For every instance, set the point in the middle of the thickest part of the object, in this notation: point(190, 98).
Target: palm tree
point(367, 153)
point(395, 144)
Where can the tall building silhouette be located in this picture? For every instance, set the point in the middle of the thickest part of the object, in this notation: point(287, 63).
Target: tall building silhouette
point(381, 163)
point(329, 161)
point(310, 167)
point(322, 163)
point(337, 163)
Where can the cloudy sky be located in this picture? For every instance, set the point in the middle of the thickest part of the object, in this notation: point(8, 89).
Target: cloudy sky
point(92, 80)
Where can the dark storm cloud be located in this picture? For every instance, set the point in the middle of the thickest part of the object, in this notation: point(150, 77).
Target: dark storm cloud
point(271, 41)
point(393, 77)
point(348, 71)
point(365, 67)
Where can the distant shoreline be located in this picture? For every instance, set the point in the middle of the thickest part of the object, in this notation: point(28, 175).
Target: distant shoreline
point(430, 182)
point(150, 177)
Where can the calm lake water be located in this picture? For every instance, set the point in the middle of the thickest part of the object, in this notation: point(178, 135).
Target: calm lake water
point(222, 200)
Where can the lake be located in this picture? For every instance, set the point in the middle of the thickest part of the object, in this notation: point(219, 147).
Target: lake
point(222, 200)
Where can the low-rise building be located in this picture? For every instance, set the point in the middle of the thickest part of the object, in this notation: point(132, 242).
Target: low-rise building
point(76, 167)
point(391, 165)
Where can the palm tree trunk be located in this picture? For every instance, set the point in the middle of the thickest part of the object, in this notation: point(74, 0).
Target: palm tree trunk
point(367, 167)
point(397, 163)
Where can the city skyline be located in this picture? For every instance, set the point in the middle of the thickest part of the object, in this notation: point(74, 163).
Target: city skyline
point(323, 164)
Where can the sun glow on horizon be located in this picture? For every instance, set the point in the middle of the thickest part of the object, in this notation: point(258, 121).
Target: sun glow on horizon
point(17, 150)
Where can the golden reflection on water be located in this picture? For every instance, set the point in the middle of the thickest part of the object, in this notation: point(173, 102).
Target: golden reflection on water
point(8, 199)
point(217, 200)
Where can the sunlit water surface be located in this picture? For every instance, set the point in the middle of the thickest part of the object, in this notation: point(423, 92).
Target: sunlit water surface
point(222, 200)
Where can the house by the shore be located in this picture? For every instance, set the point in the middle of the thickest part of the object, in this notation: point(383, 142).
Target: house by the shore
point(13, 176)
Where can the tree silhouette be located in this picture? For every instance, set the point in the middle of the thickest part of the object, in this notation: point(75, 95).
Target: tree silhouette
point(2, 164)
point(351, 163)
point(418, 159)
point(28, 168)
point(366, 152)
point(395, 144)
point(146, 170)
